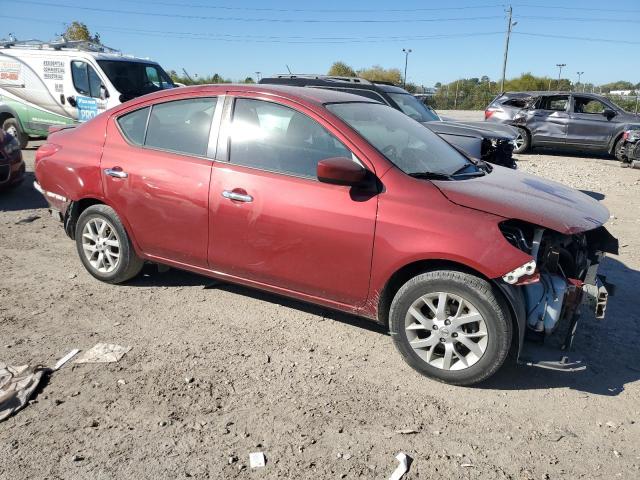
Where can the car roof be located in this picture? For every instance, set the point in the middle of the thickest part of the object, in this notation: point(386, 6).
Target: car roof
point(353, 83)
point(316, 96)
point(542, 93)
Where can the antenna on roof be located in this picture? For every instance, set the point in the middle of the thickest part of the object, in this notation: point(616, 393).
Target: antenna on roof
point(288, 69)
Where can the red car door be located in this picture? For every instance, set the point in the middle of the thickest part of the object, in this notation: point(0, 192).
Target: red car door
point(273, 222)
point(156, 175)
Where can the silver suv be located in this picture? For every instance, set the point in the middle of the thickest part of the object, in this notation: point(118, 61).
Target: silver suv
point(582, 121)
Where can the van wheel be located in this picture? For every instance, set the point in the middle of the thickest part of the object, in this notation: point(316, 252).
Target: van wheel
point(12, 127)
point(104, 246)
point(523, 141)
point(451, 326)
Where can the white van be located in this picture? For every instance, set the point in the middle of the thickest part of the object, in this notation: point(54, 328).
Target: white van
point(49, 84)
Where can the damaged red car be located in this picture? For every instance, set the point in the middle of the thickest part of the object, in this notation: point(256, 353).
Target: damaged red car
point(336, 200)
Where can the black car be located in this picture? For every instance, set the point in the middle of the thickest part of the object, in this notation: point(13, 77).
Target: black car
point(582, 121)
point(491, 143)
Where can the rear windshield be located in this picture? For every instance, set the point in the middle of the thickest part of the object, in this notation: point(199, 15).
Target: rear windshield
point(517, 102)
point(413, 107)
point(409, 145)
point(134, 79)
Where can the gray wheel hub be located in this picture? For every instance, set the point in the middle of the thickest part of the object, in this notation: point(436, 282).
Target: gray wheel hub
point(101, 245)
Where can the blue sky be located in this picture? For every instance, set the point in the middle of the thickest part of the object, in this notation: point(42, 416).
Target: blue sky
point(458, 38)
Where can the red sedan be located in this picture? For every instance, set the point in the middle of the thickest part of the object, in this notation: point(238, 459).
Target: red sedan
point(336, 200)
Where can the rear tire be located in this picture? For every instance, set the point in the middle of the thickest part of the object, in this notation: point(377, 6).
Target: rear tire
point(12, 127)
point(451, 326)
point(104, 246)
point(523, 141)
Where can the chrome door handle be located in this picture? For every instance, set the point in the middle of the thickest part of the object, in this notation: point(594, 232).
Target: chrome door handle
point(240, 197)
point(115, 173)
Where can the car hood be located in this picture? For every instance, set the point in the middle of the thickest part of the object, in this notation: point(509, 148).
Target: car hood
point(626, 117)
point(516, 195)
point(472, 129)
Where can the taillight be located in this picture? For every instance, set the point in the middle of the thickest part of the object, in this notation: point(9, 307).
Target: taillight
point(488, 113)
point(46, 150)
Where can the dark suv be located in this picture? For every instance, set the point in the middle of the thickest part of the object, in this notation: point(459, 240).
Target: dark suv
point(584, 121)
point(491, 143)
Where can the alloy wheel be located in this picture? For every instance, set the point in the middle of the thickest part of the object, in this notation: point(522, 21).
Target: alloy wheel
point(101, 245)
point(446, 331)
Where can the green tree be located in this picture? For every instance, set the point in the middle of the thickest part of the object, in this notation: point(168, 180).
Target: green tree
point(249, 80)
point(380, 74)
point(341, 69)
point(79, 31)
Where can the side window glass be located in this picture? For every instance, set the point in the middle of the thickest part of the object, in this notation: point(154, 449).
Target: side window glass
point(588, 105)
point(80, 77)
point(556, 104)
point(94, 82)
point(273, 137)
point(152, 76)
point(181, 126)
point(133, 125)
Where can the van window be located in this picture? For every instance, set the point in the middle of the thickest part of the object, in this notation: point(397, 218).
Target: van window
point(133, 125)
point(85, 79)
point(133, 78)
point(181, 126)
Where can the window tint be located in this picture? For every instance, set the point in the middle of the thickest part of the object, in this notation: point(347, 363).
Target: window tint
point(133, 125)
point(413, 107)
point(273, 137)
point(85, 79)
point(181, 126)
point(588, 105)
point(133, 78)
point(557, 103)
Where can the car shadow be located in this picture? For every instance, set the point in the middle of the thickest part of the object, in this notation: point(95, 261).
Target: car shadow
point(608, 347)
point(22, 197)
point(151, 277)
point(566, 152)
point(595, 195)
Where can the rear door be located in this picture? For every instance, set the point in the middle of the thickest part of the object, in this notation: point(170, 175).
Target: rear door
point(272, 221)
point(588, 126)
point(156, 170)
point(548, 120)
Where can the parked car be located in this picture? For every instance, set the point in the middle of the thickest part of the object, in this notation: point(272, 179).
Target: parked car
point(583, 121)
point(333, 199)
point(11, 164)
point(490, 143)
point(59, 83)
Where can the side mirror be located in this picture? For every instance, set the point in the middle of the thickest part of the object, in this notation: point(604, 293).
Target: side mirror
point(340, 171)
point(609, 113)
point(104, 93)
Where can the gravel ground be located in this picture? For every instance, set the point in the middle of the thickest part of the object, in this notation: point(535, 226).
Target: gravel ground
point(217, 373)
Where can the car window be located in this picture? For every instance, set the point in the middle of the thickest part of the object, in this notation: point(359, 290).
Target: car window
point(133, 125)
point(557, 103)
point(405, 142)
point(413, 107)
point(85, 79)
point(181, 126)
point(588, 105)
point(273, 137)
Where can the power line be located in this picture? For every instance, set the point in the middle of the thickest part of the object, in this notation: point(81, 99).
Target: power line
point(581, 8)
point(314, 10)
point(578, 19)
point(260, 20)
point(569, 37)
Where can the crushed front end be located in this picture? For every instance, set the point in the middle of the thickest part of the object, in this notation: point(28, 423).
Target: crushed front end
point(499, 151)
point(560, 278)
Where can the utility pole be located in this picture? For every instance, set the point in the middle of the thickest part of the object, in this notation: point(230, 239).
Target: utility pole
point(406, 51)
point(579, 77)
point(455, 100)
point(510, 25)
point(560, 65)
point(258, 75)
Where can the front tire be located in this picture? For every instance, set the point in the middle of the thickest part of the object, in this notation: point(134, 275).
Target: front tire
point(104, 246)
point(451, 326)
point(12, 127)
point(619, 150)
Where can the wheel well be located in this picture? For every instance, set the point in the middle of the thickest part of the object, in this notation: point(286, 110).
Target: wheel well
point(4, 116)
point(612, 149)
point(403, 275)
point(73, 213)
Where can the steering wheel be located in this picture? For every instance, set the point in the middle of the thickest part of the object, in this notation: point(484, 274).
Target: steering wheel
point(390, 151)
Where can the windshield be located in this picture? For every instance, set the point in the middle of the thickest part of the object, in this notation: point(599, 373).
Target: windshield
point(413, 107)
point(133, 79)
point(410, 146)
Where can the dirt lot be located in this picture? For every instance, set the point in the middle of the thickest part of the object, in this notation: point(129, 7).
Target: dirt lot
point(215, 374)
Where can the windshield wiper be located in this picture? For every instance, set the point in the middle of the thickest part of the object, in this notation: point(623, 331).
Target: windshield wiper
point(431, 176)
